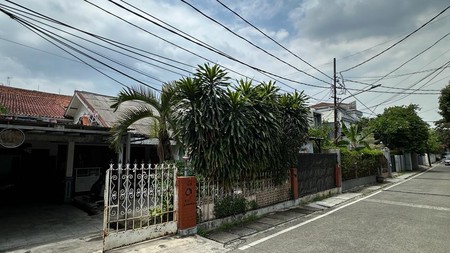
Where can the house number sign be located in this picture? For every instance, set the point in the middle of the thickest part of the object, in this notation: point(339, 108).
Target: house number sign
point(11, 137)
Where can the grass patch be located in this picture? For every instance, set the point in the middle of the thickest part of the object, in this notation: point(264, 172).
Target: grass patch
point(201, 231)
point(239, 222)
point(322, 197)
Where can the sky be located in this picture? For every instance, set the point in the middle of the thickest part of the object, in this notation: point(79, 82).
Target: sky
point(292, 42)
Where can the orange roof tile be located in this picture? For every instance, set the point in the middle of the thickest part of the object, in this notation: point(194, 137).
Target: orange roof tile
point(21, 102)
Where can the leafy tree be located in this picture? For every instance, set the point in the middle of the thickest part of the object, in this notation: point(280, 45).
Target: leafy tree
point(355, 137)
point(400, 127)
point(443, 125)
point(152, 105)
point(443, 133)
point(233, 132)
point(322, 132)
point(444, 104)
point(434, 145)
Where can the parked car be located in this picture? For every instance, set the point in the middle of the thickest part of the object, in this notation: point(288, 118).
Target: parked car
point(447, 160)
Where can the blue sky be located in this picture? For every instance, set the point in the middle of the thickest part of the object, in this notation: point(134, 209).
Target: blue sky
point(317, 31)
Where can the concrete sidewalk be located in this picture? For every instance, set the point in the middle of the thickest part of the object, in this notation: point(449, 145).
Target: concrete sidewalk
point(222, 240)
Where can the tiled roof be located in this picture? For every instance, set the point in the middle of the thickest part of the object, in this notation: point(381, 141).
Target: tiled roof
point(101, 105)
point(21, 102)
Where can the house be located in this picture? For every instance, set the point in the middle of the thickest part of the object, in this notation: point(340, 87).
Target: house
point(53, 147)
point(314, 120)
point(346, 113)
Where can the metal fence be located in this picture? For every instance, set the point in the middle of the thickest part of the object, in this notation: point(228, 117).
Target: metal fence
point(316, 173)
point(139, 203)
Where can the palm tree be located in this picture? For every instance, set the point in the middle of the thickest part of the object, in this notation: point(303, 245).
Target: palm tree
point(152, 105)
point(355, 136)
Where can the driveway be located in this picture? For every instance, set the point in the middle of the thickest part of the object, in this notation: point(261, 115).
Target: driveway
point(30, 225)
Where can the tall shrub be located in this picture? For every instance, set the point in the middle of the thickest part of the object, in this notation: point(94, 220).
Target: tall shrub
point(362, 163)
point(233, 132)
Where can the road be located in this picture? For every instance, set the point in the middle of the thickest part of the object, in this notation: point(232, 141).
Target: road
point(412, 216)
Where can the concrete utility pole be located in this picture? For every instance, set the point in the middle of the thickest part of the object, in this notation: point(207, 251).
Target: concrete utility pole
point(336, 126)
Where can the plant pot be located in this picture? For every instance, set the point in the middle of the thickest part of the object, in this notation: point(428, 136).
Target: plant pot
point(380, 179)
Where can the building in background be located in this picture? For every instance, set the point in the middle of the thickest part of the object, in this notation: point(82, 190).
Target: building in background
point(346, 113)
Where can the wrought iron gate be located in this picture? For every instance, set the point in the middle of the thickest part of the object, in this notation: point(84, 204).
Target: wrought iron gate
point(140, 204)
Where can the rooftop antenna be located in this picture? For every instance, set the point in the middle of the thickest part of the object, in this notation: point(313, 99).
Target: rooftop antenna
point(8, 80)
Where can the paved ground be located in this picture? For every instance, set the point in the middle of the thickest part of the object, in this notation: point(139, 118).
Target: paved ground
point(413, 216)
point(82, 234)
point(30, 226)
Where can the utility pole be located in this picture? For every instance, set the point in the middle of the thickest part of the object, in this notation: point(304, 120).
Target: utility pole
point(336, 126)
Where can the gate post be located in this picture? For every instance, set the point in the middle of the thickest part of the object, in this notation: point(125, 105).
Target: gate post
point(294, 182)
point(337, 173)
point(187, 205)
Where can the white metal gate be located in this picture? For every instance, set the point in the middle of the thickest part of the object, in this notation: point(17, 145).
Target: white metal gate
point(140, 204)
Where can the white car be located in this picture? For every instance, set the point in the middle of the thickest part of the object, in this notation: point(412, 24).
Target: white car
point(447, 160)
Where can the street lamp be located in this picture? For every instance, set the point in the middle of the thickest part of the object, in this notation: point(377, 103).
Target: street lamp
point(370, 88)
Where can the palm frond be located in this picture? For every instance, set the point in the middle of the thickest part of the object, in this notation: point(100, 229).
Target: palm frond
point(125, 120)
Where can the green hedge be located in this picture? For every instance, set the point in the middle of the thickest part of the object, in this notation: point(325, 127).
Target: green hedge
point(360, 163)
point(230, 205)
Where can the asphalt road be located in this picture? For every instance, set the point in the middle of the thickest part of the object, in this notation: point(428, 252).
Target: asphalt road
point(413, 216)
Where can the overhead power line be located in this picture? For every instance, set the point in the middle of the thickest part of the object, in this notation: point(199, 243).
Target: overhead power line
point(391, 100)
point(387, 87)
point(45, 32)
point(193, 38)
point(251, 43)
point(117, 44)
point(398, 42)
point(167, 41)
point(371, 78)
point(46, 35)
point(415, 56)
point(214, 50)
point(270, 38)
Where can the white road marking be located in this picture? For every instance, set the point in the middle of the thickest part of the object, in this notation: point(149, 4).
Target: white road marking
point(440, 208)
point(244, 247)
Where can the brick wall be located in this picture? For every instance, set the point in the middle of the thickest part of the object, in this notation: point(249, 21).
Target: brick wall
point(274, 195)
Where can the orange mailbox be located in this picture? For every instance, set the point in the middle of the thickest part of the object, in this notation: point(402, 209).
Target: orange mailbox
point(187, 202)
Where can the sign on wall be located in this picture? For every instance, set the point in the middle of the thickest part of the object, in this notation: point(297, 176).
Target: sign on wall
point(11, 137)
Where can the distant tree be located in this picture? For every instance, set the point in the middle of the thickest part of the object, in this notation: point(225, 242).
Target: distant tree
point(363, 124)
point(443, 125)
point(434, 144)
point(400, 127)
point(322, 132)
point(444, 104)
point(443, 133)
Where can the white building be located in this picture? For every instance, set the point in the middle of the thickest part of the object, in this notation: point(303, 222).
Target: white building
point(346, 113)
